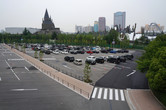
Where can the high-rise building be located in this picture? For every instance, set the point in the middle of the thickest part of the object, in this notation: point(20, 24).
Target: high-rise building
point(78, 29)
point(96, 26)
point(120, 20)
point(88, 29)
point(107, 28)
point(102, 24)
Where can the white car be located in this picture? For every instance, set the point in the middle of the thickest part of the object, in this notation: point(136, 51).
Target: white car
point(64, 52)
point(91, 58)
point(56, 52)
point(78, 62)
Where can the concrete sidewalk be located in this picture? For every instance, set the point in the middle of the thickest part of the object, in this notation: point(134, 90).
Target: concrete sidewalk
point(142, 100)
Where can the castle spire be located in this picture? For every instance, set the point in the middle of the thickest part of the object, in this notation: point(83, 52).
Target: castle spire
point(46, 15)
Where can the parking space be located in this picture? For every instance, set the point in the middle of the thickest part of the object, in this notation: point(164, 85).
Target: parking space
point(97, 71)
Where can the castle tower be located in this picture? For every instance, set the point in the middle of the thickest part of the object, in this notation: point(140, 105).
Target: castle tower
point(47, 23)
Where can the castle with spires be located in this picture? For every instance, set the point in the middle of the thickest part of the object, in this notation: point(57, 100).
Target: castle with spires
point(48, 26)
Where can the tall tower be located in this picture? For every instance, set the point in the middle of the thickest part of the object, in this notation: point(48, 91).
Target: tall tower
point(96, 26)
point(102, 24)
point(47, 22)
point(120, 20)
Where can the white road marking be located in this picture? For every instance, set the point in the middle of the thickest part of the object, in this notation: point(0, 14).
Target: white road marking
point(2, 54)
point(49, 58)
point(7, 63)
point(66, 67)
point(12, 70)
point(15, 74)
point(100, 92)
point(26, 68)
point(116, 95)
point(131, 73)
point(105, 93)
point(94, 93)
point(122, 95)
point(111, 95)
point(24, 89)
point(15, 59)
point(0, 79)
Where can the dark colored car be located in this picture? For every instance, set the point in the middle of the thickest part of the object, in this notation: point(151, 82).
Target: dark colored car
point(113, 59)
point(92, 62)
point(73, 51)
point(95, 51)
point(122, 59)
point(69, 59)
point(129, 56)
point(80, 51)
point(100, 60)
point(103, 51)
point(47, 51)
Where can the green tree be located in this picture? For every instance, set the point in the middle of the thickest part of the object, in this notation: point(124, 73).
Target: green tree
point(125, 42)
point(26, 32)
point(54, 36)
point(153, 62)
point(35, 54)
point(112, 36)
point(87, 71)
point(41, 55)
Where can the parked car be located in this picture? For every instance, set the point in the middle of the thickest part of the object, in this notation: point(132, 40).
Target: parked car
point(95, 51)
point(122, 59)
point(47, 52)
point(113, 59)
point(73, 51)
point(105, 59)
point(56, 52)
point(63, 52)
point(92, 62)
point(69, 59)
point(78, 62)
point(89, 51)
point(80, 51)
point(129, 56)
point(103, 51)
point(113, 51)
point(91, 58)
point(100, 60)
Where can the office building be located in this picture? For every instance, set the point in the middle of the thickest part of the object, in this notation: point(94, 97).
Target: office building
point(102, 24)
point(78, 29)
point(96, 26)
point(120, 20)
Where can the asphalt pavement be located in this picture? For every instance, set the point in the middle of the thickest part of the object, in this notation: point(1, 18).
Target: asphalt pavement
point(23, 87)
point(125, 75)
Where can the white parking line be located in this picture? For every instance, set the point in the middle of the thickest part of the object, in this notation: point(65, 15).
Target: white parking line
point(66, 67)
point(24, 89)
point(100, 92)
point(105, 93)
point(116, 95)
point(110, 95)
point(12, 70)
point(94, 93)
point(122, 95)
point(15, 59)
point(26, 68)
point(131, 73)
point(0, 79)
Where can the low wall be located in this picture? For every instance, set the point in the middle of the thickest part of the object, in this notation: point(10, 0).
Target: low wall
point(77, 86)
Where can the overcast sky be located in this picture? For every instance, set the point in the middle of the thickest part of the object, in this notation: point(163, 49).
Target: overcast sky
point(68, 13)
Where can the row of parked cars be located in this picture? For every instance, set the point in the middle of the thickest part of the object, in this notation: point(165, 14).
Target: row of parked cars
point(93, 60)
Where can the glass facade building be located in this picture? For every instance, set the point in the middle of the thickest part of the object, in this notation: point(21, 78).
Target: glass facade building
point(96, 26)
point(120, 20)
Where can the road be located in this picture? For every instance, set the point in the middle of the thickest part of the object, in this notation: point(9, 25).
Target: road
point(125, 75)
point(23, 87)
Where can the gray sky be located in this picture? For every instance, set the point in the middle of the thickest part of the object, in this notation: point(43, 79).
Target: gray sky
point(68, 13)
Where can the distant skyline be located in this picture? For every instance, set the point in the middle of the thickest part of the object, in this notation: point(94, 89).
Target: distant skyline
point(68, 13)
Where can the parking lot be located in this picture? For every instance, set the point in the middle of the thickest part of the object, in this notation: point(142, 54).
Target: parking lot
point(69, 68)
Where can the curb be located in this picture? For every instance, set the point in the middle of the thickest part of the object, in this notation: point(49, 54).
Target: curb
point(131, 106)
